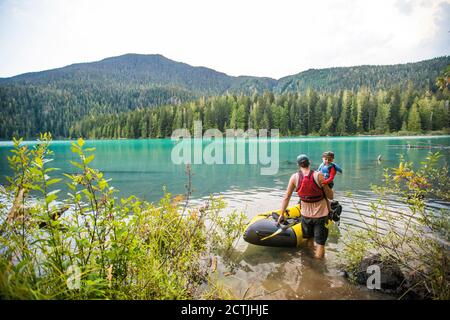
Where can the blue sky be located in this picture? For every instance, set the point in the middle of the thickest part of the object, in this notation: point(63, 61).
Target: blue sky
point(261, 38)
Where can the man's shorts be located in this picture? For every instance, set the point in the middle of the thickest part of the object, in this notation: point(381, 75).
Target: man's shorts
point(315, 228)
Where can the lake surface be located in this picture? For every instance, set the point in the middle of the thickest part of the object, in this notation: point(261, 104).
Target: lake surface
point(144, 167)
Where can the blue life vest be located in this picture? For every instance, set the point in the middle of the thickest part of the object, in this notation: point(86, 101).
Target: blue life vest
point(325, 169)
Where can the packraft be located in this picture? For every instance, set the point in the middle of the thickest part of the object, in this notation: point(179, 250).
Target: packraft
point(264, 230)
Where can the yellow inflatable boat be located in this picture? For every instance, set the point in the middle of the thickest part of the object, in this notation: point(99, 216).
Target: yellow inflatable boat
point(263, 229)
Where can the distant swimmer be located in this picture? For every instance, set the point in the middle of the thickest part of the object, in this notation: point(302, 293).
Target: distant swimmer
point(379, 158)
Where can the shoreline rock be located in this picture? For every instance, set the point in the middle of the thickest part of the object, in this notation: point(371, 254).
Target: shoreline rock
point(392, 278)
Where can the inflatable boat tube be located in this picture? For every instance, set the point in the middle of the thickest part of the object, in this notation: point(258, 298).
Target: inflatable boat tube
point(263, 229)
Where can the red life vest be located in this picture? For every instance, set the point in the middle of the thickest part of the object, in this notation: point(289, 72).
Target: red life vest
point(307, 188)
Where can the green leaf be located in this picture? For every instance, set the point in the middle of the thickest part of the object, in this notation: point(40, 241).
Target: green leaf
point(102, 184)
point(76, 164)
point(34, 187)
point(54, 192)
point(89, 159)
point(18, 268)
point(68, 175)
point(51, 197)
point(80, 142)
point(53, 181)
point(71, 186)
point(38, 162)
point(87, 194)
point(75, 148)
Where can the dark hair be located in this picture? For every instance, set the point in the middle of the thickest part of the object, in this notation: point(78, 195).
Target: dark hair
point(303, 161)
point(328, 154)
point(304, 164)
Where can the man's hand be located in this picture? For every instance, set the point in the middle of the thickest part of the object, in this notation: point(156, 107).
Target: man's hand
point(280, 218)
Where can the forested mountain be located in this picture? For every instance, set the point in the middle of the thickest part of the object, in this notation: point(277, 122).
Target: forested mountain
point(158, 71)
point(55, 100)
point(138, 69)
point(421, 74)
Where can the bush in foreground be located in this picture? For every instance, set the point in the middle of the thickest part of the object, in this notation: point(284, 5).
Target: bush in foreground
point(91, 245)
point(414, 240)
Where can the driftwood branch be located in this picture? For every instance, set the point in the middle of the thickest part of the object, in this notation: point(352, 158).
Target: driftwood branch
point(18, 209)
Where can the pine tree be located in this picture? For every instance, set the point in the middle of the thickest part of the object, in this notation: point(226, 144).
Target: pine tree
point(382, 118)
point(284, 121)
point(341, 127)
point(414, 119)
point(362, 117)
point(177, 121)
point(241, 117)
point(395, 120)
point(233, 119)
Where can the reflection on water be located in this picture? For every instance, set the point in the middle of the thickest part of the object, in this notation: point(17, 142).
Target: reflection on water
point(143, 167)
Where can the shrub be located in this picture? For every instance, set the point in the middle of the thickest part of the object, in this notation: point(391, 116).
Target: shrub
point(91, 245)
point(416, 238)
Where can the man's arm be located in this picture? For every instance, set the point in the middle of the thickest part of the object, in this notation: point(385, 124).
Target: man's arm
point(328, 191)
point(287, 197)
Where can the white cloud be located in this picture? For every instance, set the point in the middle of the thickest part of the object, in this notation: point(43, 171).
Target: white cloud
point(263, 38)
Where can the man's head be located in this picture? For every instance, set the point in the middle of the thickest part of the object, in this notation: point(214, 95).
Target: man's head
point(303, 161)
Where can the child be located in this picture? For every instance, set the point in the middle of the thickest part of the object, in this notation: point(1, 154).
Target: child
point(328, 168)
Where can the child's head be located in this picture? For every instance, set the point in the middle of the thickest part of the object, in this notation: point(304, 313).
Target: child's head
point(328, 157)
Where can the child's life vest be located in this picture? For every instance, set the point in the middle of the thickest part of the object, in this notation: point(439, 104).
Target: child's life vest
point(325, 169)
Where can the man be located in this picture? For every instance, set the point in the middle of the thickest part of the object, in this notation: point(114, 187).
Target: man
point(315, 207)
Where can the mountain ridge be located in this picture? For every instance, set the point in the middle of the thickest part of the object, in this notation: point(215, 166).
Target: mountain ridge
point(208, 68)
point(53, 100)
point(152, 69)
point(158, 70)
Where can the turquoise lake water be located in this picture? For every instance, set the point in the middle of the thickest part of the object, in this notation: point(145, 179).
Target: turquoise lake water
point(144, 167)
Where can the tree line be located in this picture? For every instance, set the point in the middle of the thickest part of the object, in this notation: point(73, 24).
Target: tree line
point(303, 113)
point(27, 110)
point(55, 100)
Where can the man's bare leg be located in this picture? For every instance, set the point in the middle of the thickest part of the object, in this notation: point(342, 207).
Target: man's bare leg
point(320, 251)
